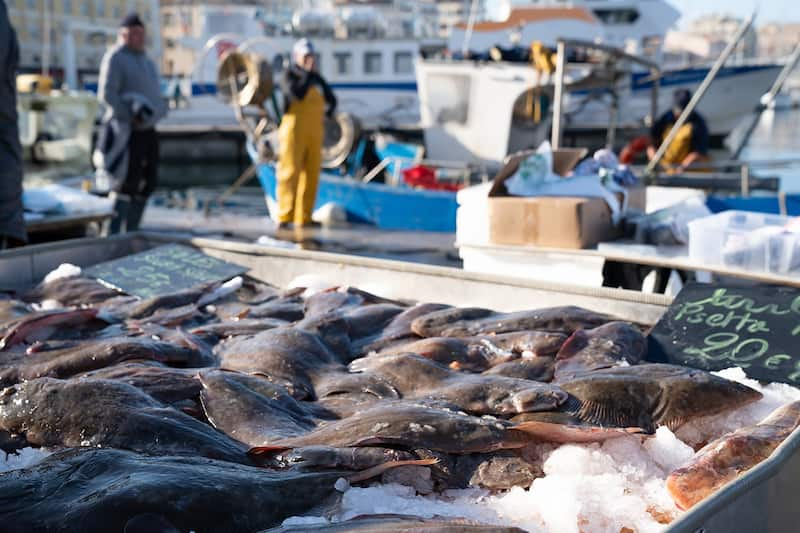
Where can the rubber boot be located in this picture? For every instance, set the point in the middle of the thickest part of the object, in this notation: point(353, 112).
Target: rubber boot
point(138, 203)
point(119, 222)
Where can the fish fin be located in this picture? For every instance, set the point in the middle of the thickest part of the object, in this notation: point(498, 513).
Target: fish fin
point(267, 450)
point(381, 468)
point(562, 433)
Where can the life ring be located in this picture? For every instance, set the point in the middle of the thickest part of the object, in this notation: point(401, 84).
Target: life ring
point(341, 132)
point(244, 79)
point(634, 148)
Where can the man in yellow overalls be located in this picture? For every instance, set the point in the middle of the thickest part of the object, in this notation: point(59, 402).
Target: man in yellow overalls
point(306, 95)
point(691, 143)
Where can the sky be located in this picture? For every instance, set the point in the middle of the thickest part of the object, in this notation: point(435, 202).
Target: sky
point(768, 10)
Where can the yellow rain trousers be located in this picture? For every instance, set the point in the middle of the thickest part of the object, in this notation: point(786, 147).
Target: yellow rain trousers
point(300, 157)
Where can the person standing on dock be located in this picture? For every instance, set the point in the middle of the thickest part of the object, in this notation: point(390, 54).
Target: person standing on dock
point(691, 143)
point(12, 221)
point(301, 133)
point(130, 89)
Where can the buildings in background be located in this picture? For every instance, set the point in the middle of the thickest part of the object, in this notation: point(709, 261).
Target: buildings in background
point(42, 25)
point(705, 37)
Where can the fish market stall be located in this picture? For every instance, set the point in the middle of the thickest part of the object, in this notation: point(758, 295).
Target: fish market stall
point(299, 390)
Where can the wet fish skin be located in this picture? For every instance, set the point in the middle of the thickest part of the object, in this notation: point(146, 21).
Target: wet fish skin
point(397, 330)
point(565, 319)
point(416, 377)
point(409, 426)
point(285, 355)
point(641, 398)
point(101, 490)
point(165, 384)
point(602, 347)
point(534, 369)
point(368, 320)
point(90, 355)
point(728, 457)
point(106, 413)
point(313, 457)
point(394, 523)
point(435, 323)
point(288, 309)
point(251, 409)
point(36, 326)
point(70, 292)
point(232, 328)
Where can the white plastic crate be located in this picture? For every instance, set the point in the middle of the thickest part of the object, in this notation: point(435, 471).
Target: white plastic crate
point(742, 239)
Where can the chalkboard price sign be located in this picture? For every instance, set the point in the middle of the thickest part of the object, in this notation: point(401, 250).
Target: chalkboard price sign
point(715, 327)
point(163, 270)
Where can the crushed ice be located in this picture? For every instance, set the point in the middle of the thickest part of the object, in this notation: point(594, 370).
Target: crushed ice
point(604, 487)
point(64, 271)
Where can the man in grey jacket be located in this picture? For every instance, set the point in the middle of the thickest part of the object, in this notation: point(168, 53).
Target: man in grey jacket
point(12, 223)
point(129, 87)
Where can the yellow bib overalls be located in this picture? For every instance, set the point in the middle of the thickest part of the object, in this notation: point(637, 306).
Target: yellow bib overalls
point(300, 158)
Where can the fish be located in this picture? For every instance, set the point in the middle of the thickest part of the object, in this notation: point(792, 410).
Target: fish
point(101, 490)
point(636, 399)
point(233, 328)
point(289, 309)
point(43, 325)
point(69, 292)
point(566, 319)
point(368, 320)
point(435, 323)
point(250, 409)
point(477, 354)
point(326, 302)
point(417, 377)
point(388, 523)
point(107, 413)
point(408, 426)
point(397, 330)
point(289, 356)
point(165, 384)
point(534, 369)
point(316, 457)
point(63, 361)
point(725, 459)
point(606, 346)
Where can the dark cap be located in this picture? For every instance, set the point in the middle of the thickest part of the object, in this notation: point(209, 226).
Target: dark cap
point(130, 20)
point(681, 98)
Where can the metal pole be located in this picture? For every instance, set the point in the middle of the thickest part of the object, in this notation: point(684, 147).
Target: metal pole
point(46, 42)
point(712, 74)
point(745, 181)
point(770, 96)
point(611, 134)
point(473, 12)
point(558, 97)
point(70, 62)
point(656, 75)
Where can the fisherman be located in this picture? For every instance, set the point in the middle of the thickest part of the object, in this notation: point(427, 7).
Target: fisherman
point(690, 144)
point(301, 131)
point(12, 223)
point(129, 87)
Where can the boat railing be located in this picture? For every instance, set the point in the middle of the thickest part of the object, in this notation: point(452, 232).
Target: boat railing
point(461, 172)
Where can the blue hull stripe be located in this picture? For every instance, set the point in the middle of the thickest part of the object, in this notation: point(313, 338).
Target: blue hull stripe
point(689, 76)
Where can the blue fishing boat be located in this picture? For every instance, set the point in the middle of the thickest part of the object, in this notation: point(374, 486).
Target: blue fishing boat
point(395, 207)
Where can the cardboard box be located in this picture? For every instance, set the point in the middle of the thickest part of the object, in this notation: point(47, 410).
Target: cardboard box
point(637, 198)
point(553, 222)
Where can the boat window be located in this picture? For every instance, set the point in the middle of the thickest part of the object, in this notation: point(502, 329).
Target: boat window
point(373, 63)
point(403, 63)
point(448, 98)
point(277, 63)
point(344, 62)
point(617, 16)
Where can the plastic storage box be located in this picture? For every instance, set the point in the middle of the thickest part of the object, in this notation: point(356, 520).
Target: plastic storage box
point(751, 241)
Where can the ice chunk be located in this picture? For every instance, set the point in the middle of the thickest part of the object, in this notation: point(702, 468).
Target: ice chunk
point(667, 451)
point(25, 457)
point(64, 271)
point(312, 284)
point(229, 287)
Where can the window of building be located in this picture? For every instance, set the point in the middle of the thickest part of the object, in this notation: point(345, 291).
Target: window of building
point(116, 11)
point(403, 63)
point(32, 4)
point(617, 16)
point(166, 19)
point(373, 63)
point(66, 6)
point(84, 9)
point(344, 62)
point(100, 8)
